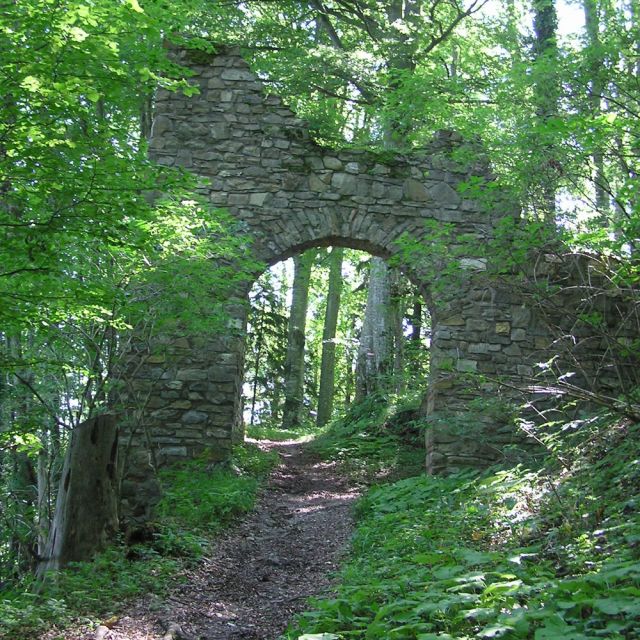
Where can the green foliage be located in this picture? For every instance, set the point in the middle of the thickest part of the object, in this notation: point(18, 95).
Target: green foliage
point(73, 167)
point(202, 498)
point(84, 589)
point(197, 504)
point(267, 431)
point(512, 553)
point(367, 442)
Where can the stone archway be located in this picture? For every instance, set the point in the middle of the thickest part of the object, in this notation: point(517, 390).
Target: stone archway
point(291, 194)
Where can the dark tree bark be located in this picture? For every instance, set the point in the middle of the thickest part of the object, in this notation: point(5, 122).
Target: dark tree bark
point(416, 319)
point(546, 94)
point(294, 365)
point(86, 514)
point(328, 363)
point(596, 90)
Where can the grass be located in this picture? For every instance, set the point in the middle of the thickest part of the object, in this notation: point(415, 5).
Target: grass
point(545, 554)
point(197, 504)
point(266, 431)
point(372, 442)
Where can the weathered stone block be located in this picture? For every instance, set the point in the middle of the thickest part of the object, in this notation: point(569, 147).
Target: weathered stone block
point(512, 350)
point(525, 370)
point(480, 348)
point(503, 328)
point(332, 163)
point(443, 193)
point(173, 452)
point(344, 183)
point(414, 190)
point(194, 417)
point(258, 199)
point(180, 404)
point(476, 324)
point(191, 374)
point(467, 366)
point(238, 75)
point(474, 264)
point(219, 131)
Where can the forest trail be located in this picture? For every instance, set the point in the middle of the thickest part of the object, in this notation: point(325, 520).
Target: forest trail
point(260, 573)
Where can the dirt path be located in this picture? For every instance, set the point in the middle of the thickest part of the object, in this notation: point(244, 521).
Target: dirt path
point(261, 572)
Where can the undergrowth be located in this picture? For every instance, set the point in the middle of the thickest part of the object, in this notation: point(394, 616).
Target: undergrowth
point(545, 554)
point(375, 439)
point(198, 502)
point(267, 431)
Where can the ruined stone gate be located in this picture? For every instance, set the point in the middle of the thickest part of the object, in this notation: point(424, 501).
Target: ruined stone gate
point(291, 194)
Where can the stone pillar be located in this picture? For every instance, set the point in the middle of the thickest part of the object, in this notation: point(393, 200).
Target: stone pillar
point(184, 400)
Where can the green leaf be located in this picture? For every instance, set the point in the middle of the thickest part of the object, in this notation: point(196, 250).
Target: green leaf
point(135, 6)
point(78, 34)
point(92, 95)
point(31, 83)
point(496, 630)
point(472, 557)
point(618, 605)
point(556, 628)
point(480, 614)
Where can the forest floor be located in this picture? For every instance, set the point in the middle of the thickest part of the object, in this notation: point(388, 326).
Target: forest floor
point(260, 573)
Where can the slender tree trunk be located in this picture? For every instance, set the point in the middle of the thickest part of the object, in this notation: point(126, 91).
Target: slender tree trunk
point(276, 397)
point(256, 365)
point(294, 364)
point(349, 384)
point(328, 364)
point(416, 319)
point(23, 488)
point(396, 322)
point(546, 93)
point(23, 483)
point(596, 90)
point(375, 339)
point(44, 491)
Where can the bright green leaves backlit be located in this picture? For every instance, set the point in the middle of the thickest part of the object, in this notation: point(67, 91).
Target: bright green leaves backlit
point(87, 250)
point(73, 168)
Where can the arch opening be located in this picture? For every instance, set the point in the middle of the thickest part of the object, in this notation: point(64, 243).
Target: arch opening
point(355, 340)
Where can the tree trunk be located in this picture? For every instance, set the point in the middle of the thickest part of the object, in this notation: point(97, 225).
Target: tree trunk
point(259, 340)
point(396, 309)
point(596, 90)
point(294, 364)
point(416, 319)
point(328, 363)
point(23, 480)
point(374, 348)
point(546, 94)
point(86, 514)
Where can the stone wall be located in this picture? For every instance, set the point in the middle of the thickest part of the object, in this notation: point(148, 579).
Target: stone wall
point(258, 160)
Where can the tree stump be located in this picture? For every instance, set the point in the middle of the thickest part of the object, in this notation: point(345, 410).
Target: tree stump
point(86, 515)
